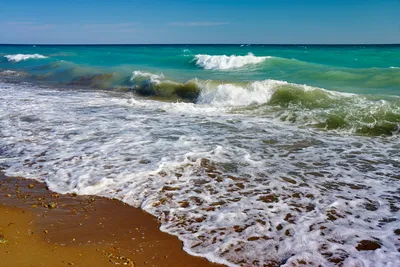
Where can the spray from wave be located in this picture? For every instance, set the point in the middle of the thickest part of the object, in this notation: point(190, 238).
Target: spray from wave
point(224, 62)
point(23, 57)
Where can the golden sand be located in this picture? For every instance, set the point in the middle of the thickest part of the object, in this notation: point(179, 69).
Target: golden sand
point(41, 228)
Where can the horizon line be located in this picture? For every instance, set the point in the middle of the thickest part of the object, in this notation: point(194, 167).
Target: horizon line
point(204, 44)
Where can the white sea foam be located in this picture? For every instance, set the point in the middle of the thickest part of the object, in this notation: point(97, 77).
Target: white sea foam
point(142, 75)
point(239, 95)
point(23, 57)
point(258, 92)
point(223, 62)
point(236, 189)
point(394, 67)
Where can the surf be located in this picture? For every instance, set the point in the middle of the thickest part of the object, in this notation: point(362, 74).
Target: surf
point(224, 62)
point(221, 174)
point(23, 57)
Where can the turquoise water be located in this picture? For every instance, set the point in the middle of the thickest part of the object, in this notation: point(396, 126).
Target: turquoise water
point(355, 69)
point(251, 155)
point(190, 72)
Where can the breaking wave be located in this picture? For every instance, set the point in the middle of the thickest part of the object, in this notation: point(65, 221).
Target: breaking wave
point(140, 75)
point(23, 57)
point(293, 103)
point(299, 104)
point(224, 62)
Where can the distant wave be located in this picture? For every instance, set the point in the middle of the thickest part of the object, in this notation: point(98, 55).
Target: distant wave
point(23, 57)
point(223, 62)
point(394, 67)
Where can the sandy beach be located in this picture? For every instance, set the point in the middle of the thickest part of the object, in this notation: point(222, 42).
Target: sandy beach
point(42, 228)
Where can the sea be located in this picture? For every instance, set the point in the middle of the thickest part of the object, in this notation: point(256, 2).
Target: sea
point(252, 155)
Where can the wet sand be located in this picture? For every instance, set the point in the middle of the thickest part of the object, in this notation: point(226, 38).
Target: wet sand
point(41, 228)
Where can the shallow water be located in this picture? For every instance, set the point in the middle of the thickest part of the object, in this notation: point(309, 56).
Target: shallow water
point(242, 172)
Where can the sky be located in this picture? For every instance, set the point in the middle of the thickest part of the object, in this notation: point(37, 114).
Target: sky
point(199, 21)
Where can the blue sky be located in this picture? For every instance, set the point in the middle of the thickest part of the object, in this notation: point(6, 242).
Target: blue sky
point(200, 21)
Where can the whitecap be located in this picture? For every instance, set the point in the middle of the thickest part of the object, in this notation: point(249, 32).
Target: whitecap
point(154, 78)
point(23, 57)
point(224, 62)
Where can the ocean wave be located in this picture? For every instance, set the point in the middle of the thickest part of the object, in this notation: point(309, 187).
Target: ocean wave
point(23, 57)
point(309, 106)
point(140, 75)
point(292, 103)
point(150, 84)
point(223, 62)
point(222, 93)
point(289, 102)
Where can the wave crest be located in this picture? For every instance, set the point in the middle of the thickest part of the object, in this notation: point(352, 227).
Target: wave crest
point(293, 103)
point(23, 57)
point(224, 62)
point(238, 94)
point(138, 75)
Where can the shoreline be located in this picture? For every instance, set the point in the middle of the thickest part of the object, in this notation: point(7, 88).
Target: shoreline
point(39, 227)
